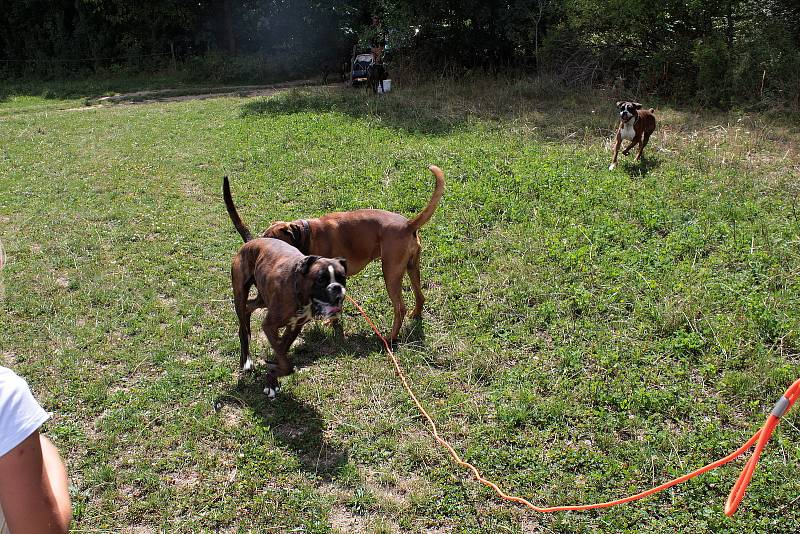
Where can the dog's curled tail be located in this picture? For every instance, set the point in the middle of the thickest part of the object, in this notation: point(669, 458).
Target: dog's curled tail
point(417, 222)
point(234, 215)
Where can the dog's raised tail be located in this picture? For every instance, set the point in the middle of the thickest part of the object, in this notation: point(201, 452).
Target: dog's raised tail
point(417, 222)
point(232, 213)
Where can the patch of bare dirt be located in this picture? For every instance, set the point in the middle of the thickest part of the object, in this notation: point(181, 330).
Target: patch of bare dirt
point(345, 522)
point(8, 359)
point(174, 94)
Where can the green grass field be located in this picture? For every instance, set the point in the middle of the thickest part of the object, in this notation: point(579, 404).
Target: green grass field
point(588, 334)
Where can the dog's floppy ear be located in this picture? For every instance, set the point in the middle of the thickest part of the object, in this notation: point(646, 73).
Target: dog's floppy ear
point(272, 229)
point(285, 231)
point(637, 105)
point(343, 261)
point(295, 231)
point(619, 104)
point(306, 263)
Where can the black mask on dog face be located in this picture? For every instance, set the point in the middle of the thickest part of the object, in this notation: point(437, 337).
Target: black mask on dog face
point(627, 110)
point(328, 282)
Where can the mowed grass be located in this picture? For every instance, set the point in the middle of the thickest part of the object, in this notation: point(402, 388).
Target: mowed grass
point(587, 334)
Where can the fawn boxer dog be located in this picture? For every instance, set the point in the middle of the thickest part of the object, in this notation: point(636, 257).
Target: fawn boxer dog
point(635, 125)
point(294, 288)
point(361, 236)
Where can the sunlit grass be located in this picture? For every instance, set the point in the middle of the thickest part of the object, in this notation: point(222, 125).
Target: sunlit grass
point(587, 333)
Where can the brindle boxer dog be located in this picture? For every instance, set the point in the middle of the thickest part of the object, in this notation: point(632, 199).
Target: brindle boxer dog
point(635, 125)
point(361, 236)
point(294, 288)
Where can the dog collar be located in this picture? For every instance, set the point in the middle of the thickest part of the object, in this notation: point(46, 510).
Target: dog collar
point(305, 237)
point(298, 294)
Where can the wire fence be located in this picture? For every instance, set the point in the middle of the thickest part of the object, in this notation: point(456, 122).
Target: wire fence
point(85, 59)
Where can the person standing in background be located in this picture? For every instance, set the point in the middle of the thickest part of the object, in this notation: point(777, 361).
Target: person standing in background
point(376, 36)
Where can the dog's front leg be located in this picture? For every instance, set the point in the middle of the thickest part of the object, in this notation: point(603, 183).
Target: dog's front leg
point(286, 340)
point(280, 346)
point(630, 146)
point(617, 143)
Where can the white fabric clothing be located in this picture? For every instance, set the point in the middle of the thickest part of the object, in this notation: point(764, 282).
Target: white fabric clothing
point(3, 526)
point(20, 414)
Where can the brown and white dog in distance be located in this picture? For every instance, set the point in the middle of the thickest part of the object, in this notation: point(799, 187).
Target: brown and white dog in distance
point(295, 288)
point(635, 125)
point(361, 236)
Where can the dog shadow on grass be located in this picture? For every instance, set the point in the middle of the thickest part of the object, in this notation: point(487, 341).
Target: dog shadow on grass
point(413, 332)
point(296, 424)
point(322, 342)
point(639, 169)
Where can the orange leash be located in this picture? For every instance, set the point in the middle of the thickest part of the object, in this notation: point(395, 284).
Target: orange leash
point(760, 438)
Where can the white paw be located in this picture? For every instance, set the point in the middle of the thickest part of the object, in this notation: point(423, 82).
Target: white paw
point(270, 393)
point(611, 167)
point(248, 365)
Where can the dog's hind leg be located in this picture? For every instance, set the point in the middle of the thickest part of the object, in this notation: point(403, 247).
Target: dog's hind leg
point(642, 144)
point(241, 288)
point(413, 274)
point(245, 363)
point(255, 304)
point(393, 277)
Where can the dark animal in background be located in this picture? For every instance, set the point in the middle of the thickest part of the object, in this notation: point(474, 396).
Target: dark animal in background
point(336, 67)
point(376, 74)
point(295, 288)
point(635, 125)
